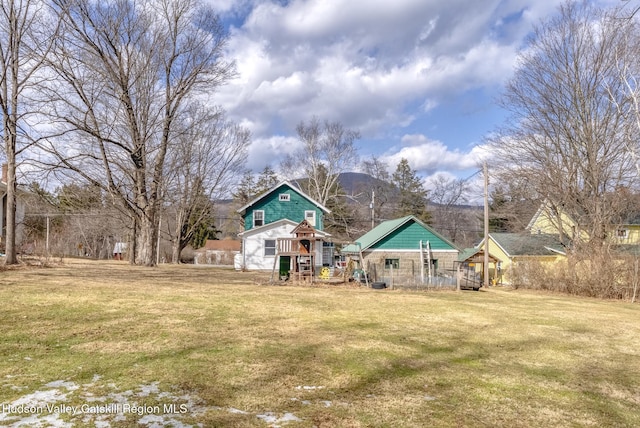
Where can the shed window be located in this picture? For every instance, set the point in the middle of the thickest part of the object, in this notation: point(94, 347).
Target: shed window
point(258, 218)
point(392, 263)
point(285, 197)
point(434, 266)
point(269, 247)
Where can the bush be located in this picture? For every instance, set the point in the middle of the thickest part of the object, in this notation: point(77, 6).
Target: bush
point(603, 274)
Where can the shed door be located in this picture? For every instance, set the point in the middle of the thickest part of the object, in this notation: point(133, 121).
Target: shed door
point(285, 265)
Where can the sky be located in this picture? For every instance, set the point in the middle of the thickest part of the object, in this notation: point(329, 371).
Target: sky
point(419, 79)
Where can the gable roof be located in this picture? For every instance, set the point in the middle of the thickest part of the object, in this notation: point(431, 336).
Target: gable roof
point(473, 254)
point(277, 224)
point(524, 244)
point(296, 189)
point(385, 229)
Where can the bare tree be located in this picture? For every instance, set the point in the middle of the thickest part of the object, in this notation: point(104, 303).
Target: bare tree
point(24, 42)
point(382, 191)
point(327, 150)
point(565, 139)
point(210, 161)
point(446, 195)
point(124, 71)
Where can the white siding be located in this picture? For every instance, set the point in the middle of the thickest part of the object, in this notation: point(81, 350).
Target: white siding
point(253, 246)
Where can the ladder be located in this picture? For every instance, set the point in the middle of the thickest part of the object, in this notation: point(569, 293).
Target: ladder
point(425, 258)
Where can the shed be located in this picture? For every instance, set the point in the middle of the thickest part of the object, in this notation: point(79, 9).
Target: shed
point(218, 252)
point(404, 248)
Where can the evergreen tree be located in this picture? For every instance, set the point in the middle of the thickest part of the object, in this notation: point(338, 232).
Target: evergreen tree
point(245, 191)
point(266, 180)
point(76, 198)
point(498, 220)
point(412, 196)
point(205, 227)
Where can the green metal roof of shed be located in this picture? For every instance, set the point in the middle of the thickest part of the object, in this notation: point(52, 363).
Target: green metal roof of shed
point(386, 230)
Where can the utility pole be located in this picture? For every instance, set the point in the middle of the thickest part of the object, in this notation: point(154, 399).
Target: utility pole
point(485, 170)
point(47, 243)
point(372, 206)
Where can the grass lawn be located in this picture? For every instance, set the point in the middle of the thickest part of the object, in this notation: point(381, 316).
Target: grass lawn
point(107, 344)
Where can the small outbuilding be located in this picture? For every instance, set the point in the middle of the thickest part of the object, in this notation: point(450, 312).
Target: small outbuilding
point(217, 252)
point(405, 251)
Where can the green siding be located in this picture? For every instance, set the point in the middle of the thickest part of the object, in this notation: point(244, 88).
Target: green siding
point(275, 210)
point(408, 237)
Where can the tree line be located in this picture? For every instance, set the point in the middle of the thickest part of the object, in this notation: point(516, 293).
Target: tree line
point(118, 95)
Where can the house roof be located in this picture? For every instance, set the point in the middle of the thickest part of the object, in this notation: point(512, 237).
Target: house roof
point(627, 249)
point(525, 244)
point(226, 244)
point(277, 224)
point(473, 254)
point(243, 209)
point(385, 229)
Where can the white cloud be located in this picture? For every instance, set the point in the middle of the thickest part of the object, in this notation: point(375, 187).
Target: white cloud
point(430, 156)
point(270, 151)
point(366, 62)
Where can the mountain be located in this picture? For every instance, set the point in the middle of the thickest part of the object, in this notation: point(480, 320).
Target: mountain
point(360, 185)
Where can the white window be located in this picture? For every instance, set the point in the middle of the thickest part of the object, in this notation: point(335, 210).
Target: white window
point(269, 247)
point(392, 263)
point(623, 233)
point(310, 216)
point(258, 218)
point(285, 197)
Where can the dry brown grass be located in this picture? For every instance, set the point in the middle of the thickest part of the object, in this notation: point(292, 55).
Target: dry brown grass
point(330, 355)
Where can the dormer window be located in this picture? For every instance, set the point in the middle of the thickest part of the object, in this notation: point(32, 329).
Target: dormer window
point(284, 197)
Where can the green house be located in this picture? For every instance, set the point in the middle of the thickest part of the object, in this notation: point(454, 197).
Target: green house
point(406, 246)
point(272, 218)
point(284, 201)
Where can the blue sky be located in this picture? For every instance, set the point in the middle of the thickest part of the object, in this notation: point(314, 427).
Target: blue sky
point(417, 78)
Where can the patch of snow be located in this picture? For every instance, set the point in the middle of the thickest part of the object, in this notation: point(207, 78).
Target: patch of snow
point(268, 417)
point(289, 417)
point(271, 418)
point(44, 407)
point(39, 398)
point(150, 420)
point(69, 386)
point(100, 422)
point(309, 388)
point(147, 390)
